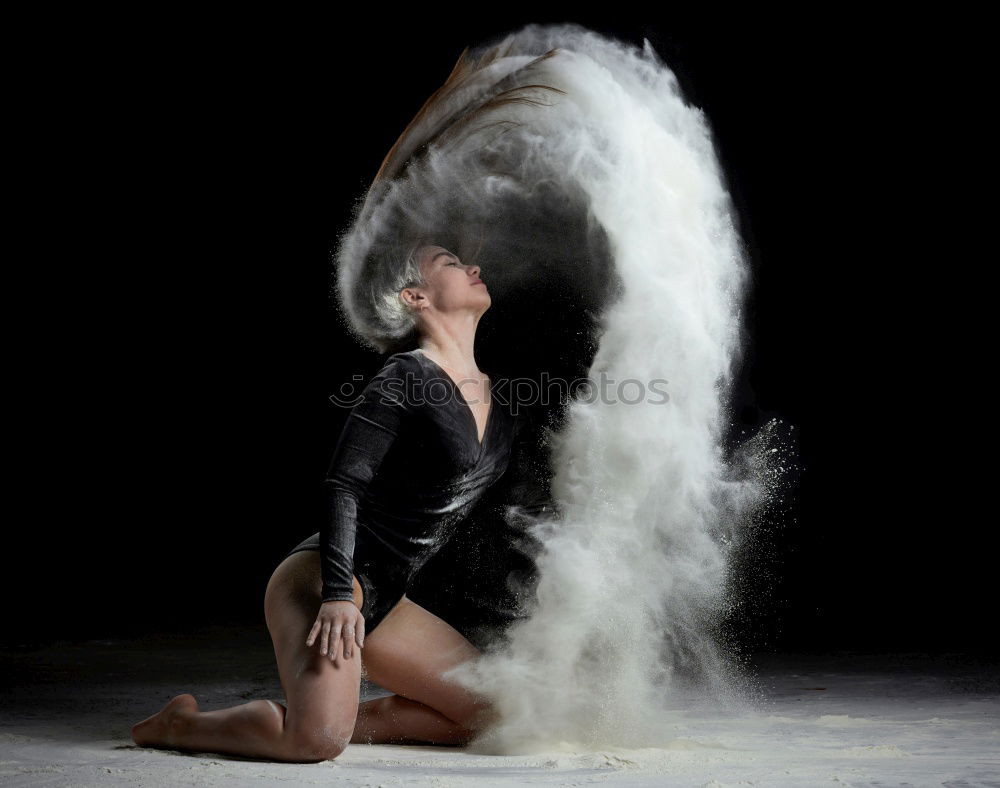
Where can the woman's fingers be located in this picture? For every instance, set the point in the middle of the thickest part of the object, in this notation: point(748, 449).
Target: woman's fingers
point(338, 634)
point(312, 633)
point(348, 638)
point(360, 633)
point(335, 642)
point(324, 637)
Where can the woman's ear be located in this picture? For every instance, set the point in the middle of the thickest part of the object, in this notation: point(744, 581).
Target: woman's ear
point(412, 298)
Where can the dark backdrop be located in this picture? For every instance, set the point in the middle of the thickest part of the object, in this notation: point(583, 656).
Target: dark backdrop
point(201, 169)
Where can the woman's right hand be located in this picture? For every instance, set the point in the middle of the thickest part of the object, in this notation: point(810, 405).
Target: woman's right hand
point(339, 625)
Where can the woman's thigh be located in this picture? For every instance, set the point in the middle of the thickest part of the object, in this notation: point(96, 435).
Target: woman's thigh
point(321, 696)
point(408, 653)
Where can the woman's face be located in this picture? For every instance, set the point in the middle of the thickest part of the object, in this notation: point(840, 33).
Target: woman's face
point(451, 285)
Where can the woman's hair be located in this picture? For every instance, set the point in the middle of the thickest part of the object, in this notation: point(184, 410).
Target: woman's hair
point(371, 274)
point(411, 204)
point(392, 312)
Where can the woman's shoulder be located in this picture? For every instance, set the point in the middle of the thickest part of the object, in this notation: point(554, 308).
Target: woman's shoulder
point(404, 358)
point(404, 365)
point(393, 386)
point(398, 381)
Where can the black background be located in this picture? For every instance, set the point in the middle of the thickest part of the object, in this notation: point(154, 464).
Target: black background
point(194, 173)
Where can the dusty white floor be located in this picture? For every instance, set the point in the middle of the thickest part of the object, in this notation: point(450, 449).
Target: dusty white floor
point(65, 714)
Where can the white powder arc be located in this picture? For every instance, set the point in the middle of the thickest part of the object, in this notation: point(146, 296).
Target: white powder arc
point(633, 572)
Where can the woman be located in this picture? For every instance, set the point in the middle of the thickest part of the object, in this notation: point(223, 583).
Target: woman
point(414, 457)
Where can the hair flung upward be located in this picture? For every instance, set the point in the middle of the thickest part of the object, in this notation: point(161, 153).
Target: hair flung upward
point(408, 205)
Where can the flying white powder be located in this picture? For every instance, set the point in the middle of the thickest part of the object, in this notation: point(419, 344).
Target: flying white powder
point(557, 151)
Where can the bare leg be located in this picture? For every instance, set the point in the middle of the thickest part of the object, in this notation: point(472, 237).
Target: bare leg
point(398, 720)
point(406, 654)
point(322, 696)
point(256, 726)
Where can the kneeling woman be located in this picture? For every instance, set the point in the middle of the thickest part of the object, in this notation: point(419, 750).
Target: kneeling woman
point(414, 457)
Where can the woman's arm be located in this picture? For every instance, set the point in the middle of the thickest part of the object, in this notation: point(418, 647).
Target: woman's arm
point(370, 430)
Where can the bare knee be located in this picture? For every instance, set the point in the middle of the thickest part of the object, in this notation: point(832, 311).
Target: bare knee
point(319, 745)
point(312, 743)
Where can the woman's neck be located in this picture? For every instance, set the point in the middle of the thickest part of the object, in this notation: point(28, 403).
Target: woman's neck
point(454, 355)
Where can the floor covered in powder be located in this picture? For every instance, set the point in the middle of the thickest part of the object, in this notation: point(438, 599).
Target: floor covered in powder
point(905, 719)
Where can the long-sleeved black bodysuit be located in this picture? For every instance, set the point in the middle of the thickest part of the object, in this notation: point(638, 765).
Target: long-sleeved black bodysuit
point(407, 469)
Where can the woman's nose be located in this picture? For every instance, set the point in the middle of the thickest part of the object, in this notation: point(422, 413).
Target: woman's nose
point(474, 270)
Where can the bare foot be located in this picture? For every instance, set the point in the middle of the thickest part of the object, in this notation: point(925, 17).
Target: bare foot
point(160, 730)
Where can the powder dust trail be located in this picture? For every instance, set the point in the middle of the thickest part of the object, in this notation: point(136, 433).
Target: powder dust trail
point(557, 152)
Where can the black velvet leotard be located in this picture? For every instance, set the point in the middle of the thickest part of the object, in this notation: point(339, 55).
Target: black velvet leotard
point(407, 468)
